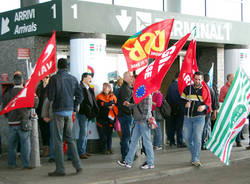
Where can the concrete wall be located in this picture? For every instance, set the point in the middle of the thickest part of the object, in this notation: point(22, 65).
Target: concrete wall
point(9, 63)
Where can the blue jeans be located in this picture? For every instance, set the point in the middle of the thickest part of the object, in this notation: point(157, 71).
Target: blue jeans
point(140, 129)
point(51, 150)
point(16, 135)
point(83, 133)
point(206, 130)
point(192, 129)
point(62, 130)
point(158, 135)
point(126, 126)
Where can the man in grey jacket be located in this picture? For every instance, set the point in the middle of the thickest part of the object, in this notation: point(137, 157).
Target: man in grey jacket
point(15, 133)
point(142, 112)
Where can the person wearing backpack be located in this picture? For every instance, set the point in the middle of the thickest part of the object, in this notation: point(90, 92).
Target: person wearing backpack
point(156, 104)
point(175, 121)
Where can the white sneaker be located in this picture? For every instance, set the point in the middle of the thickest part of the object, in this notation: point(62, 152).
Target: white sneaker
point(124, 164)
point(158, 148)
point(146, 166)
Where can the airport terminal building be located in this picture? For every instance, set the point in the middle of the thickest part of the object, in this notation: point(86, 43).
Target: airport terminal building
point(90, 34)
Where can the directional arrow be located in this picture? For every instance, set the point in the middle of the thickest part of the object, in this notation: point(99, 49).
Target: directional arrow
point(5, 28)
point(124, 20)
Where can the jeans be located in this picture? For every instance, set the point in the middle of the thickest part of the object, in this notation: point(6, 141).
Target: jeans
point(51, 150)
point(175, 126)
point(192, 129)
point(141, 129)
point(62, 130)
point(16, 135)
point(158, 135)
point(83, 133)
point(206, 130)
point(126, 126)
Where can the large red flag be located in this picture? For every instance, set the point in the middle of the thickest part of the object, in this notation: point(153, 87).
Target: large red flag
point(149, 80)
point(150, 42)
point(188, 68)
point(45, 65)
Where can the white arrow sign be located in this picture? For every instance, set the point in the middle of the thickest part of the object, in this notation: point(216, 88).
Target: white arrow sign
point(5, 28)
point(124, 20)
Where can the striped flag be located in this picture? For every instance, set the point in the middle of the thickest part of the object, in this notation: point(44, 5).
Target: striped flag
point(211, 75)
point(231, 118)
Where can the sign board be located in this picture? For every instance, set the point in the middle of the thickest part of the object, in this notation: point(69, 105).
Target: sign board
point(4, 77)
point(81, 16)
point(23, 53)
point(29, 21)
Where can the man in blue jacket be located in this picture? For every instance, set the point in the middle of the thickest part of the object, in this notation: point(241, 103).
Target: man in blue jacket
point(66, 94)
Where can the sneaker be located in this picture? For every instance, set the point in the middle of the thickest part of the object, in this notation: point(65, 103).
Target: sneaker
point(248, 147)
point(123, 164)
point(146, 166)
point(157, 148)
point(56, 174)
point(238, 144)
point(79, 170)
point(197, 164)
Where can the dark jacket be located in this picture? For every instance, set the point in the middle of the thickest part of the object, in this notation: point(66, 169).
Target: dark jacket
point(42, 94)
point(89, 106)
point(174, 99)
point(196, 99)
point(18, 114)
point(65, 92)
point(214, 98)
point(125, 94)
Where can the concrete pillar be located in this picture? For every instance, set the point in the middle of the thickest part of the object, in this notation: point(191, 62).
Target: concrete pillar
point(25, 3)
point(220, 68)
point(87, 54)
point(173, 6)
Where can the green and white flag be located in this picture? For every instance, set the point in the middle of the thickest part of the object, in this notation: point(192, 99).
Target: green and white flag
point(231, 118)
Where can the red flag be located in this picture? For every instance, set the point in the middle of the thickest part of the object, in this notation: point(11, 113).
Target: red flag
point(150, 42)
point(45, 65)
point(188, 68)
point(149, 80)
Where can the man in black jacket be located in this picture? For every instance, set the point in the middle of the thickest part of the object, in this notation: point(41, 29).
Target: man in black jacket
point(124, 99)
point(15, 133)
point(88, 110)
point(66, 94)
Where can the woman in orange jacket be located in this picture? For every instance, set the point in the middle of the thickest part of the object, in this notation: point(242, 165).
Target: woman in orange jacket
point(106, 101)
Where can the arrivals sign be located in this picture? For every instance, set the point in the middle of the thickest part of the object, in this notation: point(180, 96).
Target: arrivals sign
point(33, 20)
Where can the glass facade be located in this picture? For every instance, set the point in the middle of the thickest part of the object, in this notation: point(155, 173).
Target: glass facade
point(146, 4)
point(99, 1)
point(193, 7)
point(246, 11)
point(224, 9)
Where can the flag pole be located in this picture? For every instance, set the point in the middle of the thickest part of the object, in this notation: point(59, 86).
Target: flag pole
point(194, 38)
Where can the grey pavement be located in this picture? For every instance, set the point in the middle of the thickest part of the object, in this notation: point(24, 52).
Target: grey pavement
point(103, 169)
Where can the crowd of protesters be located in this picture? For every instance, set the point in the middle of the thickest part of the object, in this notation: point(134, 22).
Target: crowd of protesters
point(61, 99)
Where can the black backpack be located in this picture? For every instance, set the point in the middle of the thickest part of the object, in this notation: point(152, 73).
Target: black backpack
point(165, 109)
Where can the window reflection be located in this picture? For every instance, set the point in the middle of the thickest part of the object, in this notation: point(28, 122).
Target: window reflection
point(99, 1)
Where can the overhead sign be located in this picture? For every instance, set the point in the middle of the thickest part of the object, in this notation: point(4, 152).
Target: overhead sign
point(81, 16)
point(23, 53)
point(33, 20)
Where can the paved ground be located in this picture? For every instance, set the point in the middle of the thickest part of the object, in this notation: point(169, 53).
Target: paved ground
point(103, 168)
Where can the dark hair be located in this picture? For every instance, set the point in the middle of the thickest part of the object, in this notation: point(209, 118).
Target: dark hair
point(62, 63)
point(17, 79)
point(85, 74)
point(199, 73)
point(206, 78)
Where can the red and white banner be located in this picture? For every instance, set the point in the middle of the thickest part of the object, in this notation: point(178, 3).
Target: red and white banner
point(188, 68)
point(45, 65)
point(149, 80)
